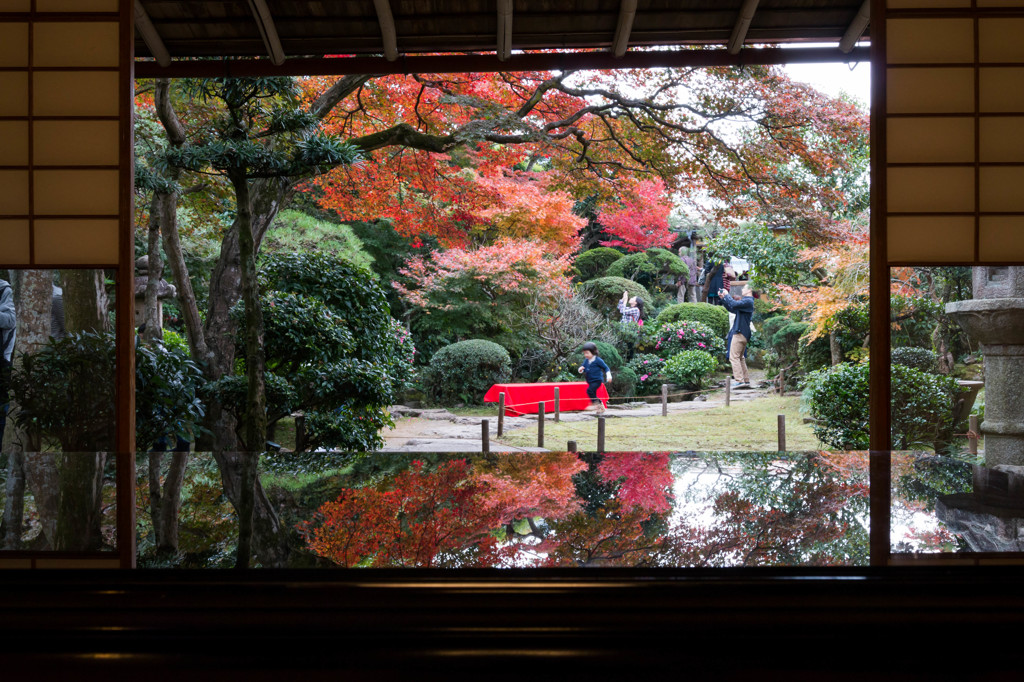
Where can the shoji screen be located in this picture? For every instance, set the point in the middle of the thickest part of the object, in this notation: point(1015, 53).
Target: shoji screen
point(954, 130)
point(65, 130)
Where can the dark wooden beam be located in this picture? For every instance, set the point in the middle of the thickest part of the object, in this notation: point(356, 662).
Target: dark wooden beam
point(627, 13)
point(465, 63)
point(739, 31)
point(504, 30)
point(857, 27)
point(151, 36)
point(387, 29)
point(268, 31)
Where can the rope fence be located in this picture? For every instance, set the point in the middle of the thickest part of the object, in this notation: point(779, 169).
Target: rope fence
point(601, 419)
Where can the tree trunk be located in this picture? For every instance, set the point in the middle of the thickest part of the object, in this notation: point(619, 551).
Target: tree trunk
point(254, 419)
point(78, 517)
point(167, 208)
point(81, 473)
point(42, 479)
point(33, 293)
point(165, 500)
point(85, 301)
point(14, 504)
point(155, 272)
point(835, 348)
point(268, 537)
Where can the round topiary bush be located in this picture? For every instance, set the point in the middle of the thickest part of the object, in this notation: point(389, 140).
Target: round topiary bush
point(607, 292)
point(595, 263)
point(669, 339)
point(690, 368)
point(714, 316)
point(636, 266)
point(920, 359)
point(463, 371)
point(922, 407)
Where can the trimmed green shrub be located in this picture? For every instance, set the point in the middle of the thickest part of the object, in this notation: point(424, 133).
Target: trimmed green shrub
point(714, 316)
point(650, 373)
point(463, 371)
point(636, 266)
point(595, 262)
point(608, 353)
point(771, 325)
point(624, 382)
point(921, 413)
point(690, 368)
point(920, 359)
point(607, 292)
point(669, 339)
point(814, 355)
point(789, 334)
point(668, 263)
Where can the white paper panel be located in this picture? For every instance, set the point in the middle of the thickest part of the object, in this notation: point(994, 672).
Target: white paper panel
point(939, 90)
point(930, 239)
point(1002, 189)
point(1001, 40)
point(14, 237)
point(72, 143)
point(14, 86)
point(929, 41)
point(76, 192)
point(13, 44)
point(80, 44)
point(1001, 239)
point(75, 93)
point(930, 140)
point(13, 192)
point(930, 189)
point(76, 242)
point(1002, 139)
point(13, 143)
point(1001, 89)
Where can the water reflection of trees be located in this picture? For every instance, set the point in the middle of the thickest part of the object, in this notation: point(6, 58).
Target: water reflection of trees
point(616, 509)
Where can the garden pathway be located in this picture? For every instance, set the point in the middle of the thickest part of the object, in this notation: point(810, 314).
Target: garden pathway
point(438, 430)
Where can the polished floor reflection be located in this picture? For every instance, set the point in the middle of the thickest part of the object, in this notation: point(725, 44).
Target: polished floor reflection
point(557, 509)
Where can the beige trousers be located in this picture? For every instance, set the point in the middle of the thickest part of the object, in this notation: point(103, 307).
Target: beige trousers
point(739, 363)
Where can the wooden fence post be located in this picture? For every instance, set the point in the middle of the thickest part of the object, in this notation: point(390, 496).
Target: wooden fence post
point(974, 435)
point(782, 433)
point(600, 434)
point(728, 391)
point(300, 432)
point(572, 446)
point(540, 424)
point(501, 414)
point(664, 400)
point(782, 381)
point(485, 435)
point(558, 406)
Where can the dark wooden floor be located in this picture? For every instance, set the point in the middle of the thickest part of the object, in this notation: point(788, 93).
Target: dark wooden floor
point(893, 624)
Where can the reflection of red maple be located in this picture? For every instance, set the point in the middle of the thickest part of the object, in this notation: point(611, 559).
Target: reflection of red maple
point(646, 479)
point(529, 485)
point(427, 519)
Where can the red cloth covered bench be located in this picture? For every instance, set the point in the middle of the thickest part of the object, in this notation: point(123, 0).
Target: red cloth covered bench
point(523, 398)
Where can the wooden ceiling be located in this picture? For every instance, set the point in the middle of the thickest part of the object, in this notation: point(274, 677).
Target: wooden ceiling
point(390, 29)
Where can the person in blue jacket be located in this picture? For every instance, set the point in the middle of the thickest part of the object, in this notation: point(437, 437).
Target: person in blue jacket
point(596, 372)
point(739, 334)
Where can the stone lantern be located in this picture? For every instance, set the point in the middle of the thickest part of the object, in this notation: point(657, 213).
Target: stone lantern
point(994, 319)
point(164, 290)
